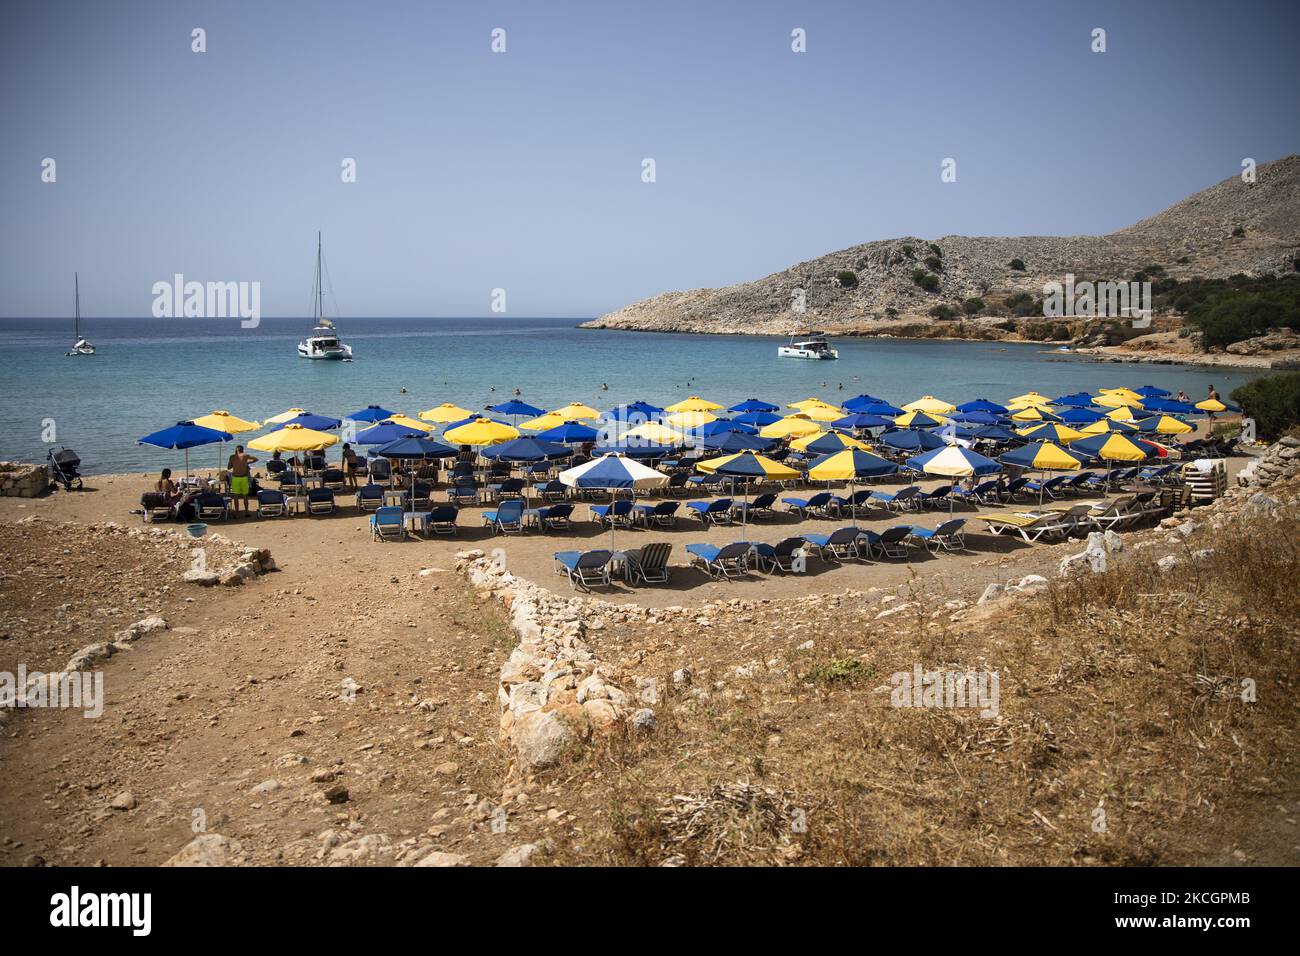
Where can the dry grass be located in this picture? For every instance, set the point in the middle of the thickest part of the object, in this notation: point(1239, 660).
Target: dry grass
point(1123, 735)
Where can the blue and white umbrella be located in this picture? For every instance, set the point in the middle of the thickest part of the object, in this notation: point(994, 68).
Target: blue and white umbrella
point(613, 473)
point(185, 435)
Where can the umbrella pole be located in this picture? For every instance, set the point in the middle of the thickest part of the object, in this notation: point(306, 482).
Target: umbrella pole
point(187, 462)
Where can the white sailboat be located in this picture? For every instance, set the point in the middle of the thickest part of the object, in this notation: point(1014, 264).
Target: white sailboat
point(323, 342)
point(80, 346)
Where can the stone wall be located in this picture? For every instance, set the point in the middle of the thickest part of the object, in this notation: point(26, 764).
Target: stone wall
point(19, 480)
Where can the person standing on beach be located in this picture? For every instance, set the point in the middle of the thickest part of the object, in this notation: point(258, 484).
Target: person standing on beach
point(240, 477)
point(350, 465)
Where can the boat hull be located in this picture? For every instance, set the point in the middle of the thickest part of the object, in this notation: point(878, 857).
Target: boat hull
point(786, 352)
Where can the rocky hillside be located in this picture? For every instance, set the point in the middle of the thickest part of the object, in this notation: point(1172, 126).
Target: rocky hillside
point(1231, 227)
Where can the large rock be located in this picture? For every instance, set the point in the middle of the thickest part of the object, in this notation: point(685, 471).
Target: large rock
point(201, 576)
point(540, 738)
point(209, 849)
point(518, 856)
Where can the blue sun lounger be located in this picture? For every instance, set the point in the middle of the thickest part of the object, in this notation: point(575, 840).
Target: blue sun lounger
point(823, 503)
point(584, 568)
point(890, 543)
point(509, 517)
point(717, 511)
point(728, 561)
point(841, 544)
point(898, 500)
point(782, 556)
point(947, 537)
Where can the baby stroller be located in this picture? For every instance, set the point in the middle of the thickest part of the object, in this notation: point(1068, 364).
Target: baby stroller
point(64, 464)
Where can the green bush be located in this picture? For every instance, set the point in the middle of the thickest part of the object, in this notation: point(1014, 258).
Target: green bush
point(1239, 231)
point(909, 251)
point(891, 311)
point(1022, 304)
point(927, 281)
point(1017, 264)
point(1227, 314)
point(934, 263)
point(973, 306)
point(944, 312)
point(1274, 403)
point(935, 249)
point(847, 278)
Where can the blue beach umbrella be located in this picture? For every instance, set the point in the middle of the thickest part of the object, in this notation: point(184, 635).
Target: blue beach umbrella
point(633, 450)
point(974, 418)
point(382, 433)
point(998, 433)
point(613, 473)
point(371, 413)
point(529, 449)
point(1081, 416)
point(473, 418)
point(735, 442)
point(982, 405)
point(754, 405)
point(881, 408)
point(1076, 400)
point(861, 402)
point(758, 419)
point(859, 420)
point(516, 407)
point(907, 439)
point(1150, 391)
point(722, 426)
point(319, 423)
point(1169, 406)
point(573, 433)
point(415, 448)
point(185, 435)
point(634, 410)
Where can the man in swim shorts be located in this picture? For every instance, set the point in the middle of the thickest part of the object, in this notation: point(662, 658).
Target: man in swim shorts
point(240, 477)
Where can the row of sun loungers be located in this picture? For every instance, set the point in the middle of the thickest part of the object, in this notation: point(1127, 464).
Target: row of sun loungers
point(1060, 523)
point(649, 565)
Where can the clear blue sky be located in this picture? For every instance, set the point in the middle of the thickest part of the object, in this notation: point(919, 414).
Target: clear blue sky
point(479, 170)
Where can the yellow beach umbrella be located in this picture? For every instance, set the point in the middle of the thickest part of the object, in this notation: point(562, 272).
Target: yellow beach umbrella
point(808, 403)
point(284, 416)
point(1126, 392)
point(694, 404)
point(543, 422)
point(792, 426)
point(1123, 413)
point(819, 413)
point(930, 405)
point(223, 421)
point(575, 411)
point(1031, 396)
point(654, 433)
point(918, 420)
point(1117, 400)
point(481, 431)
point(446, 413)
point(802, 443)
point(406, 422)
point(1212, 405)
point(746, 464)
point(1052, 431)
point(1035, 413)
point(1103, 425)
point(1168, 425)
point(691, 418)
point(294, 438)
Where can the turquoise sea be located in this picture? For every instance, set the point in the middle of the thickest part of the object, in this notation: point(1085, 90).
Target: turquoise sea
point(150, 373)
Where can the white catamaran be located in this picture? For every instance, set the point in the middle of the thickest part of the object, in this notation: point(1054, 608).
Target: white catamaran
point(80, 346)
point(323, 343)
point(811, 346)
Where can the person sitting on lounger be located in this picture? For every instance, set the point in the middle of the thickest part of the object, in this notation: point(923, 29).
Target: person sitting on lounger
point(241, 484)
point(166, 487)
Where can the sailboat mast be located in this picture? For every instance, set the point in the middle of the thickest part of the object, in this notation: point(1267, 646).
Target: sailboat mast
point(76, 285)
point(320, 304)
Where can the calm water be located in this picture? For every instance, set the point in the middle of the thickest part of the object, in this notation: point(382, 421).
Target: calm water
point(150, 373)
